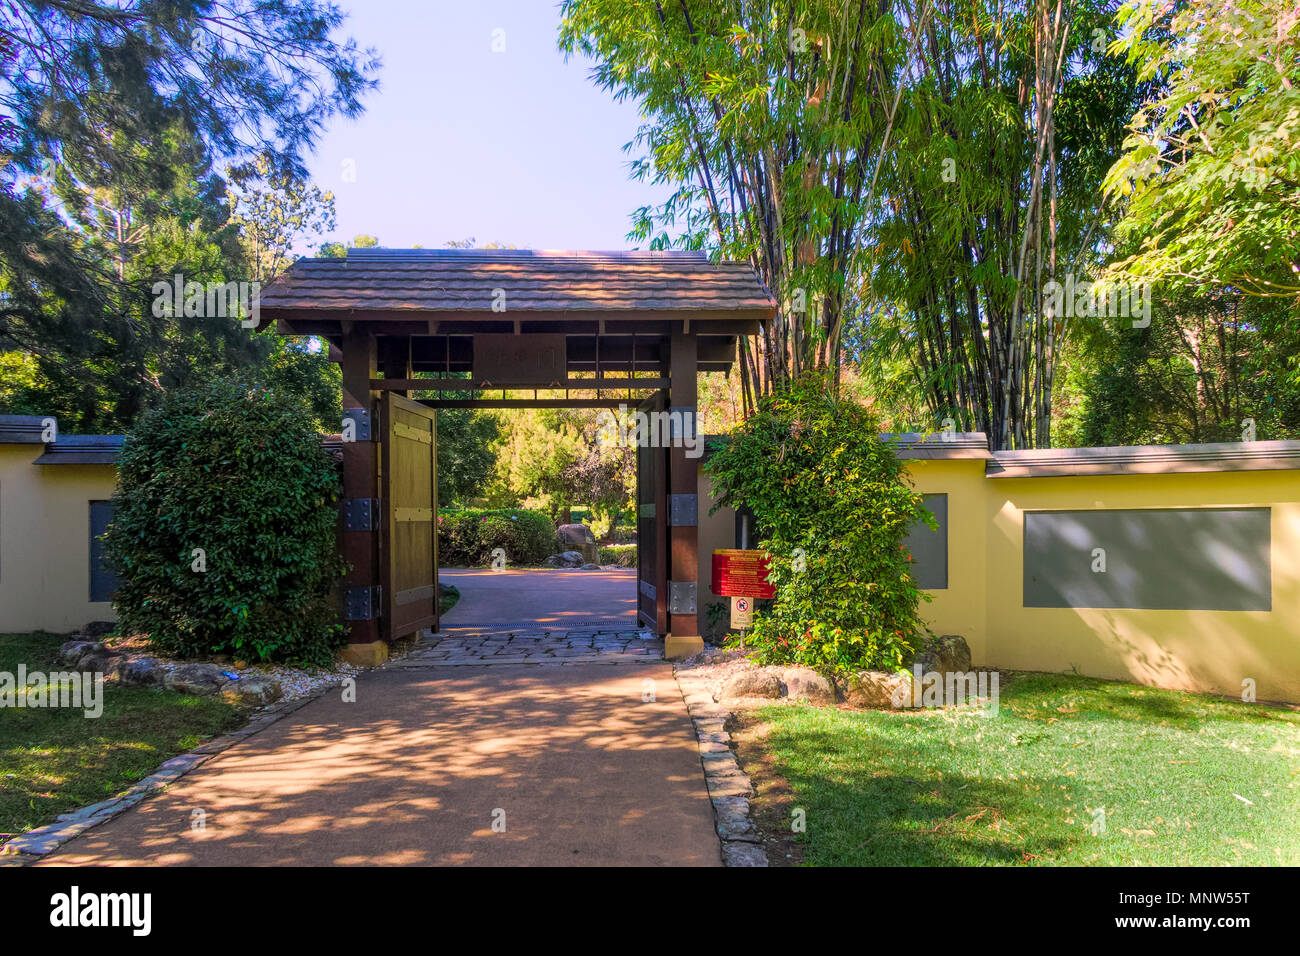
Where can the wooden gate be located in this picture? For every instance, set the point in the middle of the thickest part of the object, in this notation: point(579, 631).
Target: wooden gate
point(652, 528)
point(408, 547)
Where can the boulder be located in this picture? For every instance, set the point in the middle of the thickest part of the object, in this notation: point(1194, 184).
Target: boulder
point(104, 662)
point(578, 537)
point(590, 567)
point(750, 683)
point(253, 690)
point(71, 652)
point(875, 689)
point(141, 671)
point(94, 630)
point(943, 655)
point(198, 679)
point(804, 683)
point(569, 559)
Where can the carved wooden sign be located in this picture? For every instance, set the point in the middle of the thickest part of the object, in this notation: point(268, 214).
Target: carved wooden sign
point(532, 359)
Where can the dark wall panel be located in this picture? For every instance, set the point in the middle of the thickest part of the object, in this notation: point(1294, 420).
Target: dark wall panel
point(103, 582)
point(930, 548)
point(1204, 559)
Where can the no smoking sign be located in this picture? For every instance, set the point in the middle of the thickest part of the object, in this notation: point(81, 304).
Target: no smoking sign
point(742, 612)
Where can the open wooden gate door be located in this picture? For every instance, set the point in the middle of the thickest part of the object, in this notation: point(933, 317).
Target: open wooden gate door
point(652, 528)
point(408, 550)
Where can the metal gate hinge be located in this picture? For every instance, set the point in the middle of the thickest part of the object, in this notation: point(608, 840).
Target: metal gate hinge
point(360, 514)
point(681, 597)
point(362, 603)
point(683, 511)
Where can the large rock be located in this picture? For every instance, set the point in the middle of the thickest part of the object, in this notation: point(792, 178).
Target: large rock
point(252, 690)
point(942, 655)
point(750, 683)
point(876, 689)
point(198, 679)
point(141, 671)
point(804, 683)
point(71, 652)
point(578, 537)
point(569, 559)
point(90, 657)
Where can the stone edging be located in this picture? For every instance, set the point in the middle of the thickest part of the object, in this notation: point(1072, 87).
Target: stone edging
point(729, 786)
point(34, 844)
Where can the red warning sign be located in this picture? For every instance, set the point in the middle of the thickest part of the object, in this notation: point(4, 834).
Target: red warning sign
point(741, 574)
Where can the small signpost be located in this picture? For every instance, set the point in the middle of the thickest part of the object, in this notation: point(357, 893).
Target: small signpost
point(742, 576)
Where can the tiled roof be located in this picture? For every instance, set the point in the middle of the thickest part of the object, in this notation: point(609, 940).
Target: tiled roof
point(471, 280)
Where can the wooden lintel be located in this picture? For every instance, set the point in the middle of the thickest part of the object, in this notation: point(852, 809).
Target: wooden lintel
point(524, 402)
point(468, 385)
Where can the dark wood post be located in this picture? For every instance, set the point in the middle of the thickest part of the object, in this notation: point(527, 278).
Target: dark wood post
point(361, 484)
point(683, 501)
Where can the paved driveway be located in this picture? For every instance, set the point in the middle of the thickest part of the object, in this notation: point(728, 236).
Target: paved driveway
point(545, 598)
point(571, 762)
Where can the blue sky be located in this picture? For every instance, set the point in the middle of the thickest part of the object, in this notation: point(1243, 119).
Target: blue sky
point(518, 147)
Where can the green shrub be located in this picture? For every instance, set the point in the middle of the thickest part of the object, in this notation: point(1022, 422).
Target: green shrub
point(833, 507)
point(238, 473)
point(624, 555)
point(468, 538)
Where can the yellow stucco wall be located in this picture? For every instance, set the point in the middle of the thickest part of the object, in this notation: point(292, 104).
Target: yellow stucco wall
point(1209, 651)
point(45, 541)
point(716, 532)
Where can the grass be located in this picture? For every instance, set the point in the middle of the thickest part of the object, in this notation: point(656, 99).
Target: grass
point(56, 760)
point(448, 600)
point(1182, 779)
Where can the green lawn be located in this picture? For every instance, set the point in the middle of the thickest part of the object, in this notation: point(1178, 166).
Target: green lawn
point(1183, 779)
point(56, 760)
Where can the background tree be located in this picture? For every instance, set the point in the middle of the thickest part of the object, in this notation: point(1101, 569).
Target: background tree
point(1209, 183)
point(114, 117)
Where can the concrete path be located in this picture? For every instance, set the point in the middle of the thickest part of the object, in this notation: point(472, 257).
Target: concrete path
point(493, 599)
point(574, 764)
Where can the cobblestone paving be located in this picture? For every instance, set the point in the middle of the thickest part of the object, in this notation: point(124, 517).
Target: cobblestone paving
point(569, 645)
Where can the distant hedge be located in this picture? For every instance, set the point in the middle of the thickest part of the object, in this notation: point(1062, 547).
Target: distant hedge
point(223, 535)
point(468, 538)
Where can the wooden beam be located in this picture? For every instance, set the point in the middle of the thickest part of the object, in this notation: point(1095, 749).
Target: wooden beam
point(525, 402)
point(468, 385)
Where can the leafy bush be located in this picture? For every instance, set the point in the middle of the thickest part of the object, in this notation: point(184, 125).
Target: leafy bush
point(833, 507)
point(224, 536)
point(624, 555)
point(467, 538)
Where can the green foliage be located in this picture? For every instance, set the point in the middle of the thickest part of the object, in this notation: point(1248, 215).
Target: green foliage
point(1210, 176)
point(624, 555)
point(833, 507)
point(466, 453)
point(113, 118)
point(1205, 367)
point(237, 472)
point(468, 538)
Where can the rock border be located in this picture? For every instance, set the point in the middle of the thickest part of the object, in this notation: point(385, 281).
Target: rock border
point(729, 786)
point(34, 845)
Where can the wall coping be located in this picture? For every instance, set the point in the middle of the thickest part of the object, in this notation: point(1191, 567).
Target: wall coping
point(20, 429)
point(82, 450)
point(1145, 459)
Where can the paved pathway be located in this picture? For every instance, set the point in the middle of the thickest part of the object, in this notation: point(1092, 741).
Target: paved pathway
point(576, 762)
point(541, 599)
